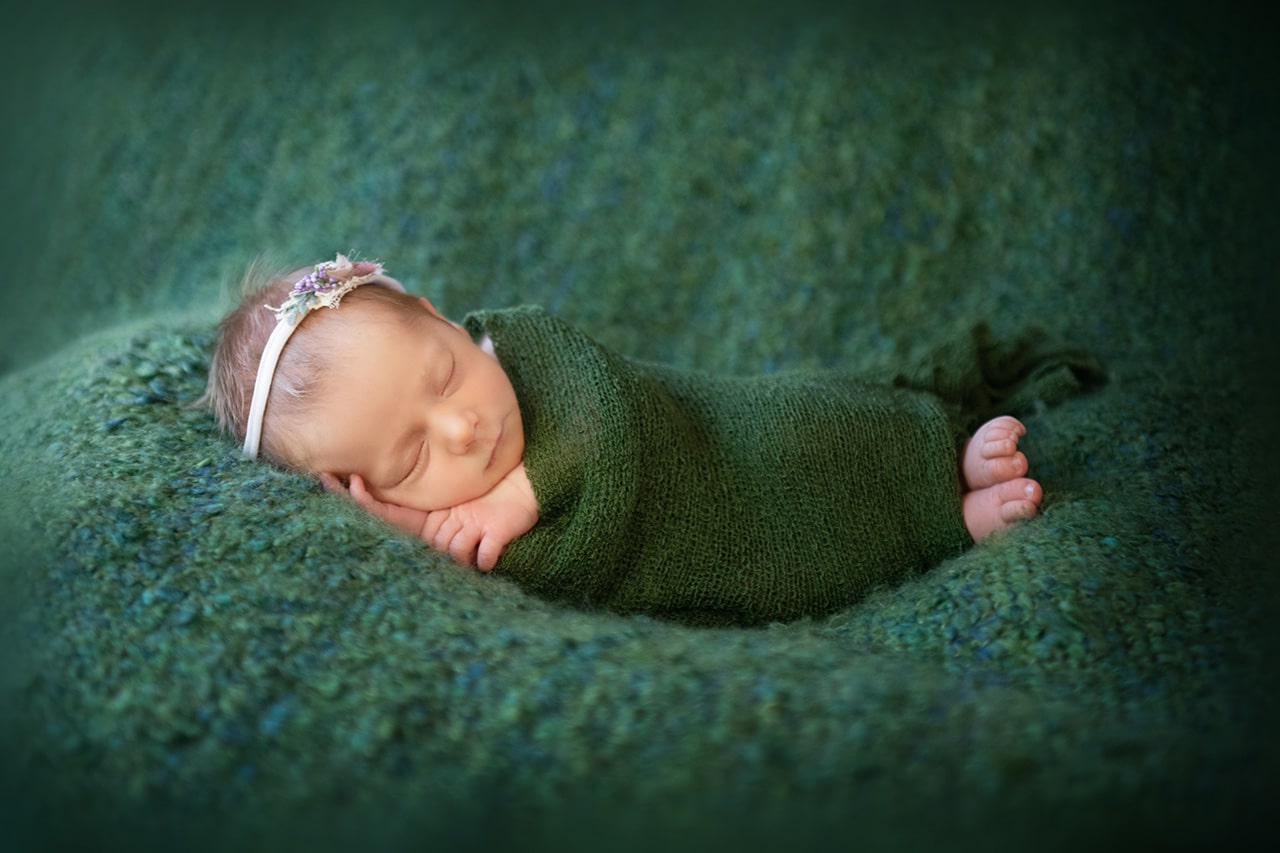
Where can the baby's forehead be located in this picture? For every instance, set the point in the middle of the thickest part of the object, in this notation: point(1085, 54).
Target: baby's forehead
point(365, 319)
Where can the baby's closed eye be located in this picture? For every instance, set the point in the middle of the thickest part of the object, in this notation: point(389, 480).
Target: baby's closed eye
point(448, 382)
point(419, 460)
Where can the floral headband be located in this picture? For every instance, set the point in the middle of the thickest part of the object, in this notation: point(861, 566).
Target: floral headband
point(323, 287)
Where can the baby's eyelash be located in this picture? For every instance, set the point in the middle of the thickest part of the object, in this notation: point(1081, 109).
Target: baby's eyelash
point(417, 462)
point(448, 379)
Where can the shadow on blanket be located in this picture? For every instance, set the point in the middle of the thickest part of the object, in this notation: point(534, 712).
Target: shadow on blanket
point(205, 638)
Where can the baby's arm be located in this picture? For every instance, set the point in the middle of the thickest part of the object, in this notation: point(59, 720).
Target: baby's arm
point(474, 533)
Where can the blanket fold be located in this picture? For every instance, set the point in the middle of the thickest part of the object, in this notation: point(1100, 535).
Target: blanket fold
point(720, 500)
point(981, 375)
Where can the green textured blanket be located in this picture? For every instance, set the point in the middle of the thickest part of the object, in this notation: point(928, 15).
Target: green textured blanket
point(740, 500)
point(201, 653)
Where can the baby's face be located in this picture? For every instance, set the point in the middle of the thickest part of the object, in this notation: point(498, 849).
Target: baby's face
point(427, 418)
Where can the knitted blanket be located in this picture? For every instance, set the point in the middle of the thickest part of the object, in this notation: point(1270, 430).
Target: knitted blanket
point(201, 653)
point(739, 500)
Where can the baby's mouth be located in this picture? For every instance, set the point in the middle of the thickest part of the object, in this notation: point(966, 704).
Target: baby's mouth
point(493, 453)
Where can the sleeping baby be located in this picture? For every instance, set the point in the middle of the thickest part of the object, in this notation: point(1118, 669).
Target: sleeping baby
point(516, 443)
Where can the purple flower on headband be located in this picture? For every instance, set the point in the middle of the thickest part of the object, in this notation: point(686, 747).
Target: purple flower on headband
point(313, 282)
point(325, 286)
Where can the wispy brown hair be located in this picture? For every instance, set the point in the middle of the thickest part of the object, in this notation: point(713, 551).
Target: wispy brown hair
point(242, 335)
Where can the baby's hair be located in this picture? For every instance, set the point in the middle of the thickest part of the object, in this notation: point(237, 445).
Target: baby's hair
point(307, 357)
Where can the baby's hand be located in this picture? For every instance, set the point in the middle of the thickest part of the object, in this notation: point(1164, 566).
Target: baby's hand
point(474, 533)
point(406, 518)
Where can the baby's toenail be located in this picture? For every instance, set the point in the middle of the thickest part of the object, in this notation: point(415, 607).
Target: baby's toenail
point(1030, 490)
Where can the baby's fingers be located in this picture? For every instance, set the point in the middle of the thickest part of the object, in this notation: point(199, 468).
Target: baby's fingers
point(487, 554)
point(441, 529)
point(432, 527)
point(332, 484)
point(355, 483)
point(462, 547)
point(362, 497)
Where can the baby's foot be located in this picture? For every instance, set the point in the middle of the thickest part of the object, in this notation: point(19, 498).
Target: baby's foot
point(996, 494)
point(996, 507)
point(992, 455)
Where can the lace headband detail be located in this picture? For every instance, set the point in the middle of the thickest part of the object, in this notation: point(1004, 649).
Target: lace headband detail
point(323, 287)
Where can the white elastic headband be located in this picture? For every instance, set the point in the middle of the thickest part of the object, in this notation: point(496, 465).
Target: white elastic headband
point(323, 287)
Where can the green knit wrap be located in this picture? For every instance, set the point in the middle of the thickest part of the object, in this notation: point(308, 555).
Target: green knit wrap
point(719, 500)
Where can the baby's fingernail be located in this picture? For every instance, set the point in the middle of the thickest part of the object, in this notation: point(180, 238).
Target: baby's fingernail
point(1030, 490)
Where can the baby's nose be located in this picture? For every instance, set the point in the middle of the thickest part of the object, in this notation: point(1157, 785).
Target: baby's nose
point(457, 429)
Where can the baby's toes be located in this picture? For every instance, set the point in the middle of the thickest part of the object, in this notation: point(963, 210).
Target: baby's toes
point(994, 448)
point(1012, 424)
point(1011, 513)
point(1020, 500)
point(992, 456)
point(1005, 468)
point(1005, 426)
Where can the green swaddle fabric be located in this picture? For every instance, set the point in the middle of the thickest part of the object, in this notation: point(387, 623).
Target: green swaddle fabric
point(720, 500)
point(979, 375)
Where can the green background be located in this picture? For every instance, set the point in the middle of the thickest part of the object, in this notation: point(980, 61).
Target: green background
point(198, 646)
